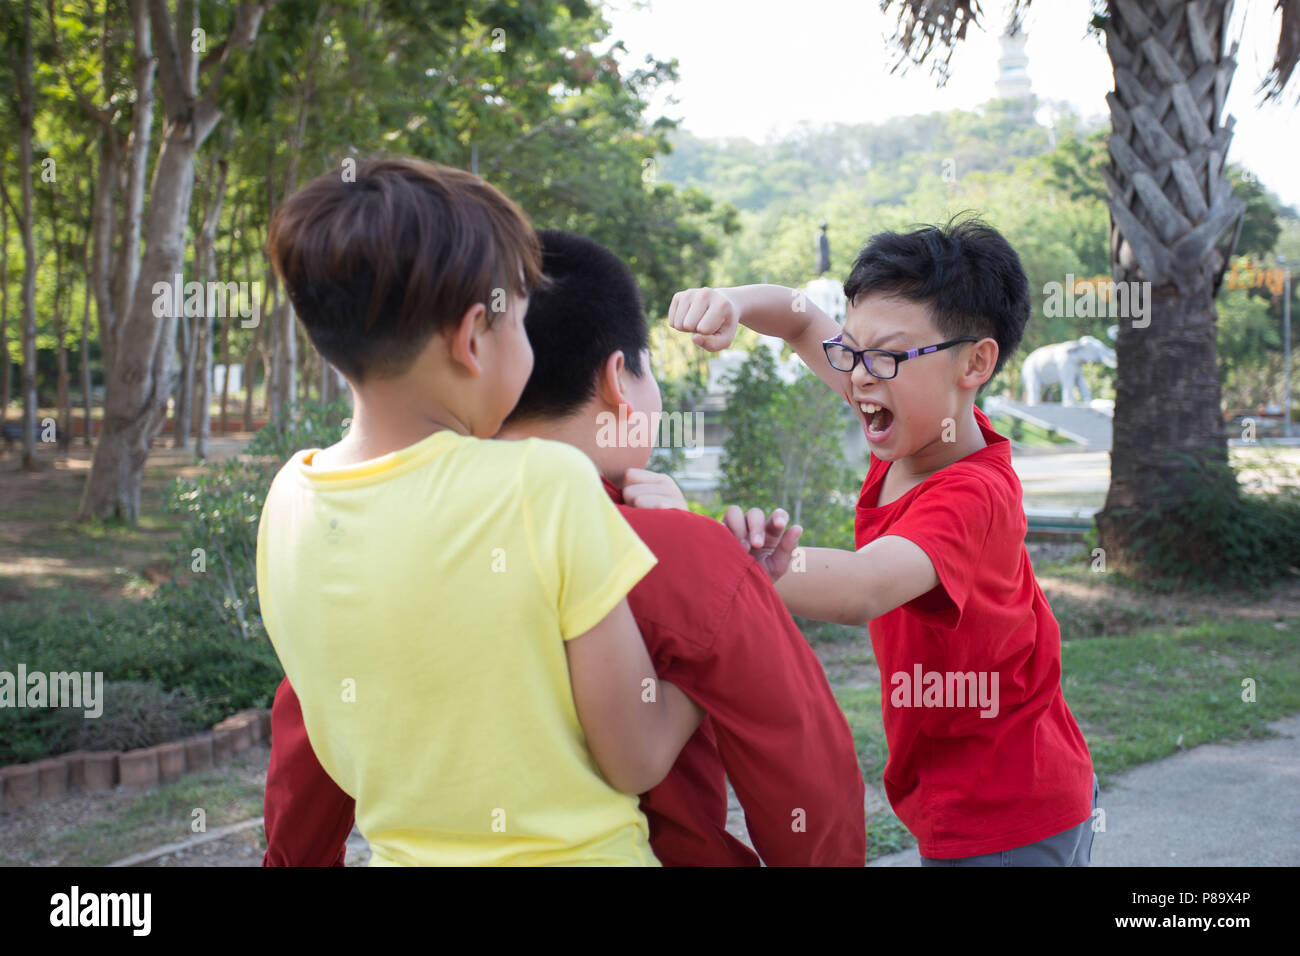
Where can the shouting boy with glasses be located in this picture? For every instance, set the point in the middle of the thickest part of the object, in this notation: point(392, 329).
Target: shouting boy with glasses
point(987, 766)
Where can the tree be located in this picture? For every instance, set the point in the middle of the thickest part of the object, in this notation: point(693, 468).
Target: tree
point(21, 61)
point(139, 374)
point(1173, 213)
point(784, 445)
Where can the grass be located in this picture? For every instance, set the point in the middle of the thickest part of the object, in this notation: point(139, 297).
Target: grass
point(51, 562)
point(161, 816)
point(1026, 434)
point(1137, 697)
point(1144, 696)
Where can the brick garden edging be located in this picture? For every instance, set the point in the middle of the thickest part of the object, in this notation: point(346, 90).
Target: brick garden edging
point(135, 771)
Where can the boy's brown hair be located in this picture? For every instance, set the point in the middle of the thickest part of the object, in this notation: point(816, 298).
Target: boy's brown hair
point(375, 265)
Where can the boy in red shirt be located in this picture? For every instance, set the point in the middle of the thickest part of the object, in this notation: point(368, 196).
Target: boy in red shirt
point(987, 766)
point(710, 617)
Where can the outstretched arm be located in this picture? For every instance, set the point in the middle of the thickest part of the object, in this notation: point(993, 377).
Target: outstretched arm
point(854, 587)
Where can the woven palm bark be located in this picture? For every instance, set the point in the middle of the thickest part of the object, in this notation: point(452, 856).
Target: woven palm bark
point(1173, 223)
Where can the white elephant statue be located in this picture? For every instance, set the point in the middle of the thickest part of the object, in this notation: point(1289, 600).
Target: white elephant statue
point(1062, 364)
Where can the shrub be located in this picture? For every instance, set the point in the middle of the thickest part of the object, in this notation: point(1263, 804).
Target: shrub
point(1219, 534)
point(784, 450)
point(136, 714)
point(211, 671)
point(216, 553)
point(196, 650)
point(307, 425)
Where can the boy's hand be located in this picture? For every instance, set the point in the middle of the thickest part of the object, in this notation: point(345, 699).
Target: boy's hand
point(710, 314)
point(649, 489)
point(770, 541)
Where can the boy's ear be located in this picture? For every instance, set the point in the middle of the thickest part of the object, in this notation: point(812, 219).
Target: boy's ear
point(609, 386)
point(981, 360)
point(464, 340)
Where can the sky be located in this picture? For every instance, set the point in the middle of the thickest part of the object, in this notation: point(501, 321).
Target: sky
point(757, 68)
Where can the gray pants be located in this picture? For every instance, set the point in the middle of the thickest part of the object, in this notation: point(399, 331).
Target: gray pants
point(1073, 847)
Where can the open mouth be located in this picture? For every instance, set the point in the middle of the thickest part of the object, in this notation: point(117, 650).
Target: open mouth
point(877, 417)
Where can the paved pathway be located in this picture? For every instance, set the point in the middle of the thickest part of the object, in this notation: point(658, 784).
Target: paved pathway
point(1232, 804)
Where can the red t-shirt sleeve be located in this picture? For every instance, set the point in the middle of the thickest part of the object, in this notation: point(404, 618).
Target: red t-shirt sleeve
point(788, 751)
point(307, 816)
point(950, 522)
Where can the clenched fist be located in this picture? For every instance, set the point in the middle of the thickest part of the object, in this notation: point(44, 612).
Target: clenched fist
point(710, 314)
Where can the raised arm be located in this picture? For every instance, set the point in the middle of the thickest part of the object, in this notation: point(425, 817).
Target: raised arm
point(713, 315)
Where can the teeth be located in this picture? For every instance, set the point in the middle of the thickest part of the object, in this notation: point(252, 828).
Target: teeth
point(870, 408)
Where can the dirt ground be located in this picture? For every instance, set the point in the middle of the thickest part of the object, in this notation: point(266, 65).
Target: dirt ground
point(43, 550)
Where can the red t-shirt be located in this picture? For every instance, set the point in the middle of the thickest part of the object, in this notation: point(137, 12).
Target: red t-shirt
point(984, 754)
point(716, 628)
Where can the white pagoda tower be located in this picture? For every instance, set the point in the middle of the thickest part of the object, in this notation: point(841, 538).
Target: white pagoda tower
point(1013, 70)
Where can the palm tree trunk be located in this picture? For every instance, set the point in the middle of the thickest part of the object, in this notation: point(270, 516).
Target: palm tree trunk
point(1172, 215)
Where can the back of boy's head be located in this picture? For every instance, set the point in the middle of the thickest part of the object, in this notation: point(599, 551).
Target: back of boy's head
point(965, 271)
point(590, 309)
point(376, 264)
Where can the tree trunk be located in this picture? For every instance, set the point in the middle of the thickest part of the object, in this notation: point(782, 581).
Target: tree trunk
point(306, 365)
point(205, 257)
point(185, 327)
point(141, 376)
point(87, 438)
point(62, 401)
point(271, 361)
point(250, 363)
point(127, 271)
point(26, 113)
point(325, 380)
point(225, 376)
point(225, 329)
point(6, 367)
point(1171, 208)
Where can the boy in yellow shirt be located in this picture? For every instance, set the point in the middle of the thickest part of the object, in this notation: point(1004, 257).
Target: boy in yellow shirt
point(451, 610)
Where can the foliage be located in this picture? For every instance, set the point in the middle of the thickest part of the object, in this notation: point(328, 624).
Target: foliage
point(784, 450)
point(136, 714)
point(678, 397)
point(309, 424)
point(222, 506)
point(1210, 534)
point(201, 673)
point(1249, 349)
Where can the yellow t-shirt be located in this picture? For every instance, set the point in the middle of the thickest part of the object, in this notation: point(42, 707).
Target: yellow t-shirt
point(419, 603)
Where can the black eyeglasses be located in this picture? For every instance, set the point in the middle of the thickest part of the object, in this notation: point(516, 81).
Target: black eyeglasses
point(880, 363)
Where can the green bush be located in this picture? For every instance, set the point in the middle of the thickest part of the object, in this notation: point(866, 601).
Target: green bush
point(196, 650)
point(210, 672)
point(1218, 535)
point(136, 714)
point(784, 450)
point(307, 425)
point(216, 553)
point(678, 396)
